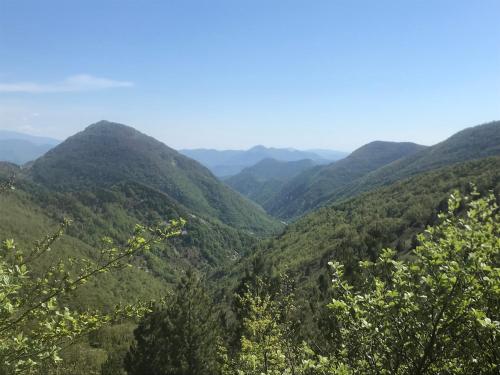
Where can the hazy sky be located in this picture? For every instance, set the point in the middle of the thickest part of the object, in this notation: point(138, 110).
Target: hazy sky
point(231, 74)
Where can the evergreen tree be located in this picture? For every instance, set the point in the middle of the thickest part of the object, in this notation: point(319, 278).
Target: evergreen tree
point(179, 338)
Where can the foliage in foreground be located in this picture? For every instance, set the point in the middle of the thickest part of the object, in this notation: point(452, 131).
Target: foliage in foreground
point(33, 325)
point(269, 342)
point(438, 313)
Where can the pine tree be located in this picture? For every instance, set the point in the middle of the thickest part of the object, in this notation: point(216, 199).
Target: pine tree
point(179, 338)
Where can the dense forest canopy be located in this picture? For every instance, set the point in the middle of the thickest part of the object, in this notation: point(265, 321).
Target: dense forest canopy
point(122, 256)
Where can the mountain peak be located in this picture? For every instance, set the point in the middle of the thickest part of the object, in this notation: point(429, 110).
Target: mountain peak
point(386, 149)
point(107, 154)
point(109, 126)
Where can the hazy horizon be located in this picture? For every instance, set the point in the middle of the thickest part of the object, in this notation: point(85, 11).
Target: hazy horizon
point(230, 148)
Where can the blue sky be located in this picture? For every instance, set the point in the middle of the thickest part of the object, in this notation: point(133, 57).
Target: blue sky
point(231, 74)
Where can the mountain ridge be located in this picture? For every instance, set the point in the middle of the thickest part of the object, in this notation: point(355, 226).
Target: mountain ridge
point(475, 142)
point(359, 227)
point(310, 189)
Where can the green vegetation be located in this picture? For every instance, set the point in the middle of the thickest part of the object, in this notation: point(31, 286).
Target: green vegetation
point(106, 154)
point(265, 179)
point(111, 209)
point(378, 164)
point(268, 336)
point(33, 325)
point(357, 229)
point(179, 338)
point(24, 220)
point(230, 302)
point(312, 188)
point(435, 312)
point(473, 143)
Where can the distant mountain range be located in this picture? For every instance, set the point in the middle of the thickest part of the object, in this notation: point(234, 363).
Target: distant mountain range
point(329, 154)
point(20, 148)
point(110, 176)
point(7, 134)
point(230, 162)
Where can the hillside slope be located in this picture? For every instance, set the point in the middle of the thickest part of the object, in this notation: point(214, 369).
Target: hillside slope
point(313, 187)
point(360, 227)
point(106, 154)
point(31, 211)
point(472, 143)
point(265, 179)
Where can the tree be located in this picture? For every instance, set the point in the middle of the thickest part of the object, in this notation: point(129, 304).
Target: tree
point(179, 337)
point(438, 313)
point(34, 326)
point(268, 342)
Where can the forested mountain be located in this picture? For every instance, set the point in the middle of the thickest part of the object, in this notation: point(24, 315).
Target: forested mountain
point(265, 179)
point(106, 154)
point(472, 143)
point(313, 187)
point(230, 162)
point(21, 148)
point(107, 180)
point(110, 177)
point(31, 211)
point(361, 227)
point(31, 214)
point(371, 166)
